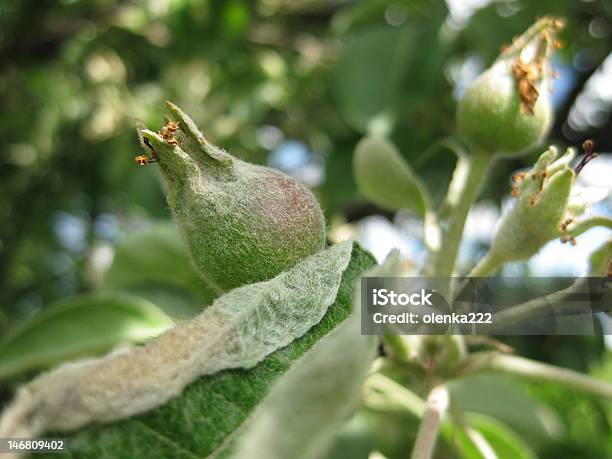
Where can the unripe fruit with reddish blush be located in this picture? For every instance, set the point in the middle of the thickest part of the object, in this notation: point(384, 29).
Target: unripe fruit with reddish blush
point(242, 223)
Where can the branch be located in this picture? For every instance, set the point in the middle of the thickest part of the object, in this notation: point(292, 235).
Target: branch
point(486, 266)
point(437, 404)
point(531, 308)
point(461, 195)
point(538, 371)
point(383, 393)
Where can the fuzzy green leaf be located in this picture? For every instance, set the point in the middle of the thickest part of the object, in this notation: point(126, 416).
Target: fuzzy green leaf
point(323, 386)
point(203, 420)
point(385, 178)
point(79, 326)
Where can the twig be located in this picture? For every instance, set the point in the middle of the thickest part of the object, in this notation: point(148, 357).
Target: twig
point(486, 266)
point(588, 223)
point(437, 404)
point(541, 372)
point(462, 193)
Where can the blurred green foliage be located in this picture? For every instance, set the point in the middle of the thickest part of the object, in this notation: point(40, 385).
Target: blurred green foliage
point(75, 74)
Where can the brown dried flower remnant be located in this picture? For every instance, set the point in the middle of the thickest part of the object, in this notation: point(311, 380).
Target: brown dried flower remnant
point(564, 227)
point(588, 146)
point(518, 178)
point(538, 175)
point(167, 132)
point(565, 239)
point(516, 181)
point(566, 222)
point(144, 160)
point(527, 75)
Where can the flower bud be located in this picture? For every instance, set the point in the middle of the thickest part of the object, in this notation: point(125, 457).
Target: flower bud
point(537, 215)
point(242, 223)
point(508, 108)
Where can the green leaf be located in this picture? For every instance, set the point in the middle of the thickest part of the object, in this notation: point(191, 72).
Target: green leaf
point(386, 79)
point(474, 439)
point(385, 178)
point(363, 94)
point(600, 261)
point(205, 417)
point(323, 386)
point(483, 437)
point(79, 326)
point(154, 263)
point(480, 393)
point(501, 438)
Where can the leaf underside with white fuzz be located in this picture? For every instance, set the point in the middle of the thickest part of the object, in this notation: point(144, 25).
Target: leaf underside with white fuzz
point(324, 387)
point(206, 416)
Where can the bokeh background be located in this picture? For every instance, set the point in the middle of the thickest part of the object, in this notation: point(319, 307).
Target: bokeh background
point(289, 83)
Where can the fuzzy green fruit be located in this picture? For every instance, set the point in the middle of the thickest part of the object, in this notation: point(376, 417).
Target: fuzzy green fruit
point(490, 115)
point(508, 109)
point(547, 206)
point(242, 223)
point(536, 216)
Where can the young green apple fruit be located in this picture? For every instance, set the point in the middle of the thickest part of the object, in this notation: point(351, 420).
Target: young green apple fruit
point(242, 223)
point(508, 108)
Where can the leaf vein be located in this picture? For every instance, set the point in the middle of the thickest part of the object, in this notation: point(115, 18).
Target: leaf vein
point(166, 439)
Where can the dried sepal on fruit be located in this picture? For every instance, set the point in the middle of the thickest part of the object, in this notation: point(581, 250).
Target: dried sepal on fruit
point(527, 77)
point(529, 72)
point(144, 160)
point(167, 132)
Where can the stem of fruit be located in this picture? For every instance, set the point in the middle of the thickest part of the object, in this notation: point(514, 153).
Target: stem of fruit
point(486, 266)
point(463, 191)
point(584, 225)
point(532, 308)
point(436, 406)
point(383, 394)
